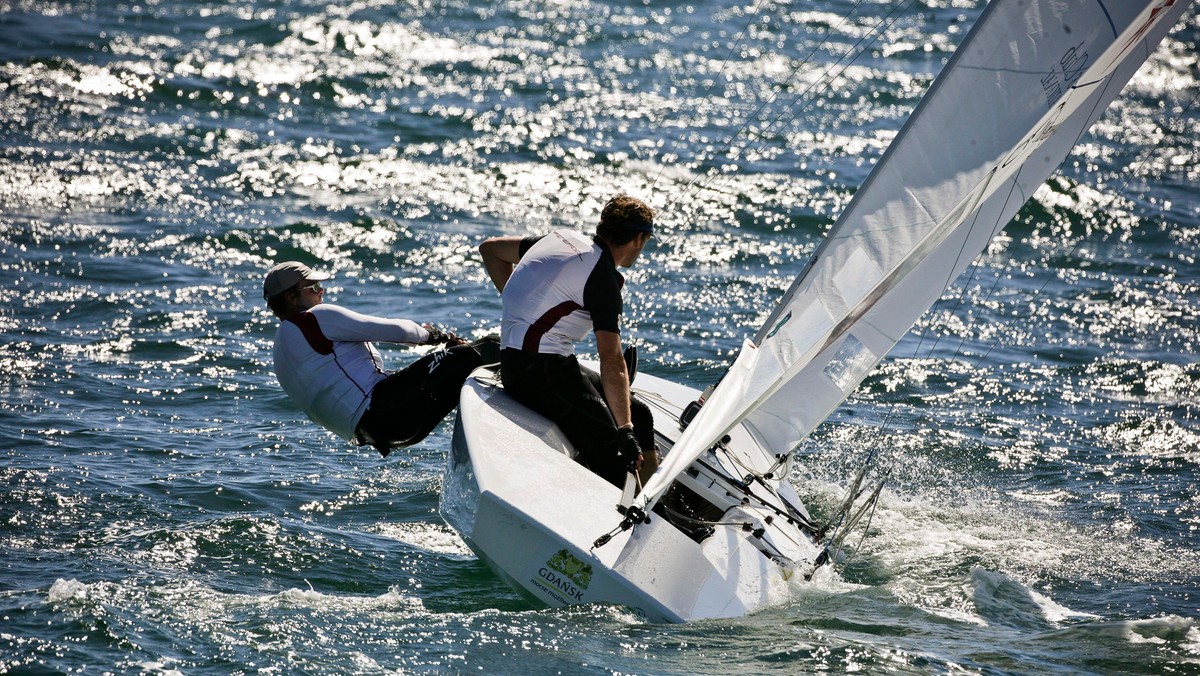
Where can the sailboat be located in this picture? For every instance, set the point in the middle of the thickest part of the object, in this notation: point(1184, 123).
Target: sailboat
point(718, 531)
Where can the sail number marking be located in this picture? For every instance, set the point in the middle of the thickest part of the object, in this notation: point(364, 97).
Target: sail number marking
point(1070, 66)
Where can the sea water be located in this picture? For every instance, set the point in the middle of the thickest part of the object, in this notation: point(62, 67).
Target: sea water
point(165, 509)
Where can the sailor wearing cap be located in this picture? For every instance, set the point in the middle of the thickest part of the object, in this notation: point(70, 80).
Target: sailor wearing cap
point(327, 365)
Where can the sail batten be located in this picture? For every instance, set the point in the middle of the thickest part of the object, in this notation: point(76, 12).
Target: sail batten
point(1027, 82)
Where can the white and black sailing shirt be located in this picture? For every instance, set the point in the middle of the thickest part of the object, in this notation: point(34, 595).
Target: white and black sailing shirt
point(565, 285)
point(326, 364)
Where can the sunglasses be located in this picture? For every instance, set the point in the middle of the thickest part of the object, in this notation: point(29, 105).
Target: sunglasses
point(315, 287)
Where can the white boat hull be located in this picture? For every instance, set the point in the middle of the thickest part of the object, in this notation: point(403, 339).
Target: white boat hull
point(532, 514)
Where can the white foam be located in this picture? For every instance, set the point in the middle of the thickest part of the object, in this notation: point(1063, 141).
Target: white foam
point(433, 538)
point(392, 599)
point(1180, 632)
point(67, 591)
point(158, 668)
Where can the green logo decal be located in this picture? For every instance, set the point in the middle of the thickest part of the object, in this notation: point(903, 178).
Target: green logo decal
point(577, 571)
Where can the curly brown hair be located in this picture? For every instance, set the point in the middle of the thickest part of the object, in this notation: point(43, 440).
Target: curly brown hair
point(623, 219)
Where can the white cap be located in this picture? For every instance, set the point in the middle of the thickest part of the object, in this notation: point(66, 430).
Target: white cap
point(286, 275)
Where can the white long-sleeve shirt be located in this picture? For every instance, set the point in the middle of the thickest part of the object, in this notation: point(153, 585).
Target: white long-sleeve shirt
point(326, 364)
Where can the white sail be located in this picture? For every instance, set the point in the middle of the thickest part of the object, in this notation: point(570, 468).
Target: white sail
point(1030, 78)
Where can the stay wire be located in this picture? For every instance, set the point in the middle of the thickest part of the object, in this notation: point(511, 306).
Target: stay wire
point(789, 112)
point(708, 90)
point(854, 492)
point(870, 519)
point(995, 228)
point(712, 174)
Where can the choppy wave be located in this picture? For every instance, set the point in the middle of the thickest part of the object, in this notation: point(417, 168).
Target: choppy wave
point(165, 509)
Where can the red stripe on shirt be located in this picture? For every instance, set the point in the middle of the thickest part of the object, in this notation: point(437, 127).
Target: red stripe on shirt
point(533, 335)
point(307, 322)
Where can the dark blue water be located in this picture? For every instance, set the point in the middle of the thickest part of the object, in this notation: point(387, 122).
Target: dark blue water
point(165, 509)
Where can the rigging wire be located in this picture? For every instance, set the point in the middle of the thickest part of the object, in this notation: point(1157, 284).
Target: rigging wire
point(695, 186)
point(712, 85)
point(789, 113)
point(807, 96)
point(999, 226)
point(783, 118)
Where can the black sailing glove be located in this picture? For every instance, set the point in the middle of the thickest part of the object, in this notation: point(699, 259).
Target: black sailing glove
point(440, 337)
point(628, 450)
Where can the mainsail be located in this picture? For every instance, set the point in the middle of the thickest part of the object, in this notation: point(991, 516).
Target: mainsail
point(1026, 83)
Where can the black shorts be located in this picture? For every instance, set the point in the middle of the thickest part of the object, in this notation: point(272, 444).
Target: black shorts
point(568, 394)
point(408, 404)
